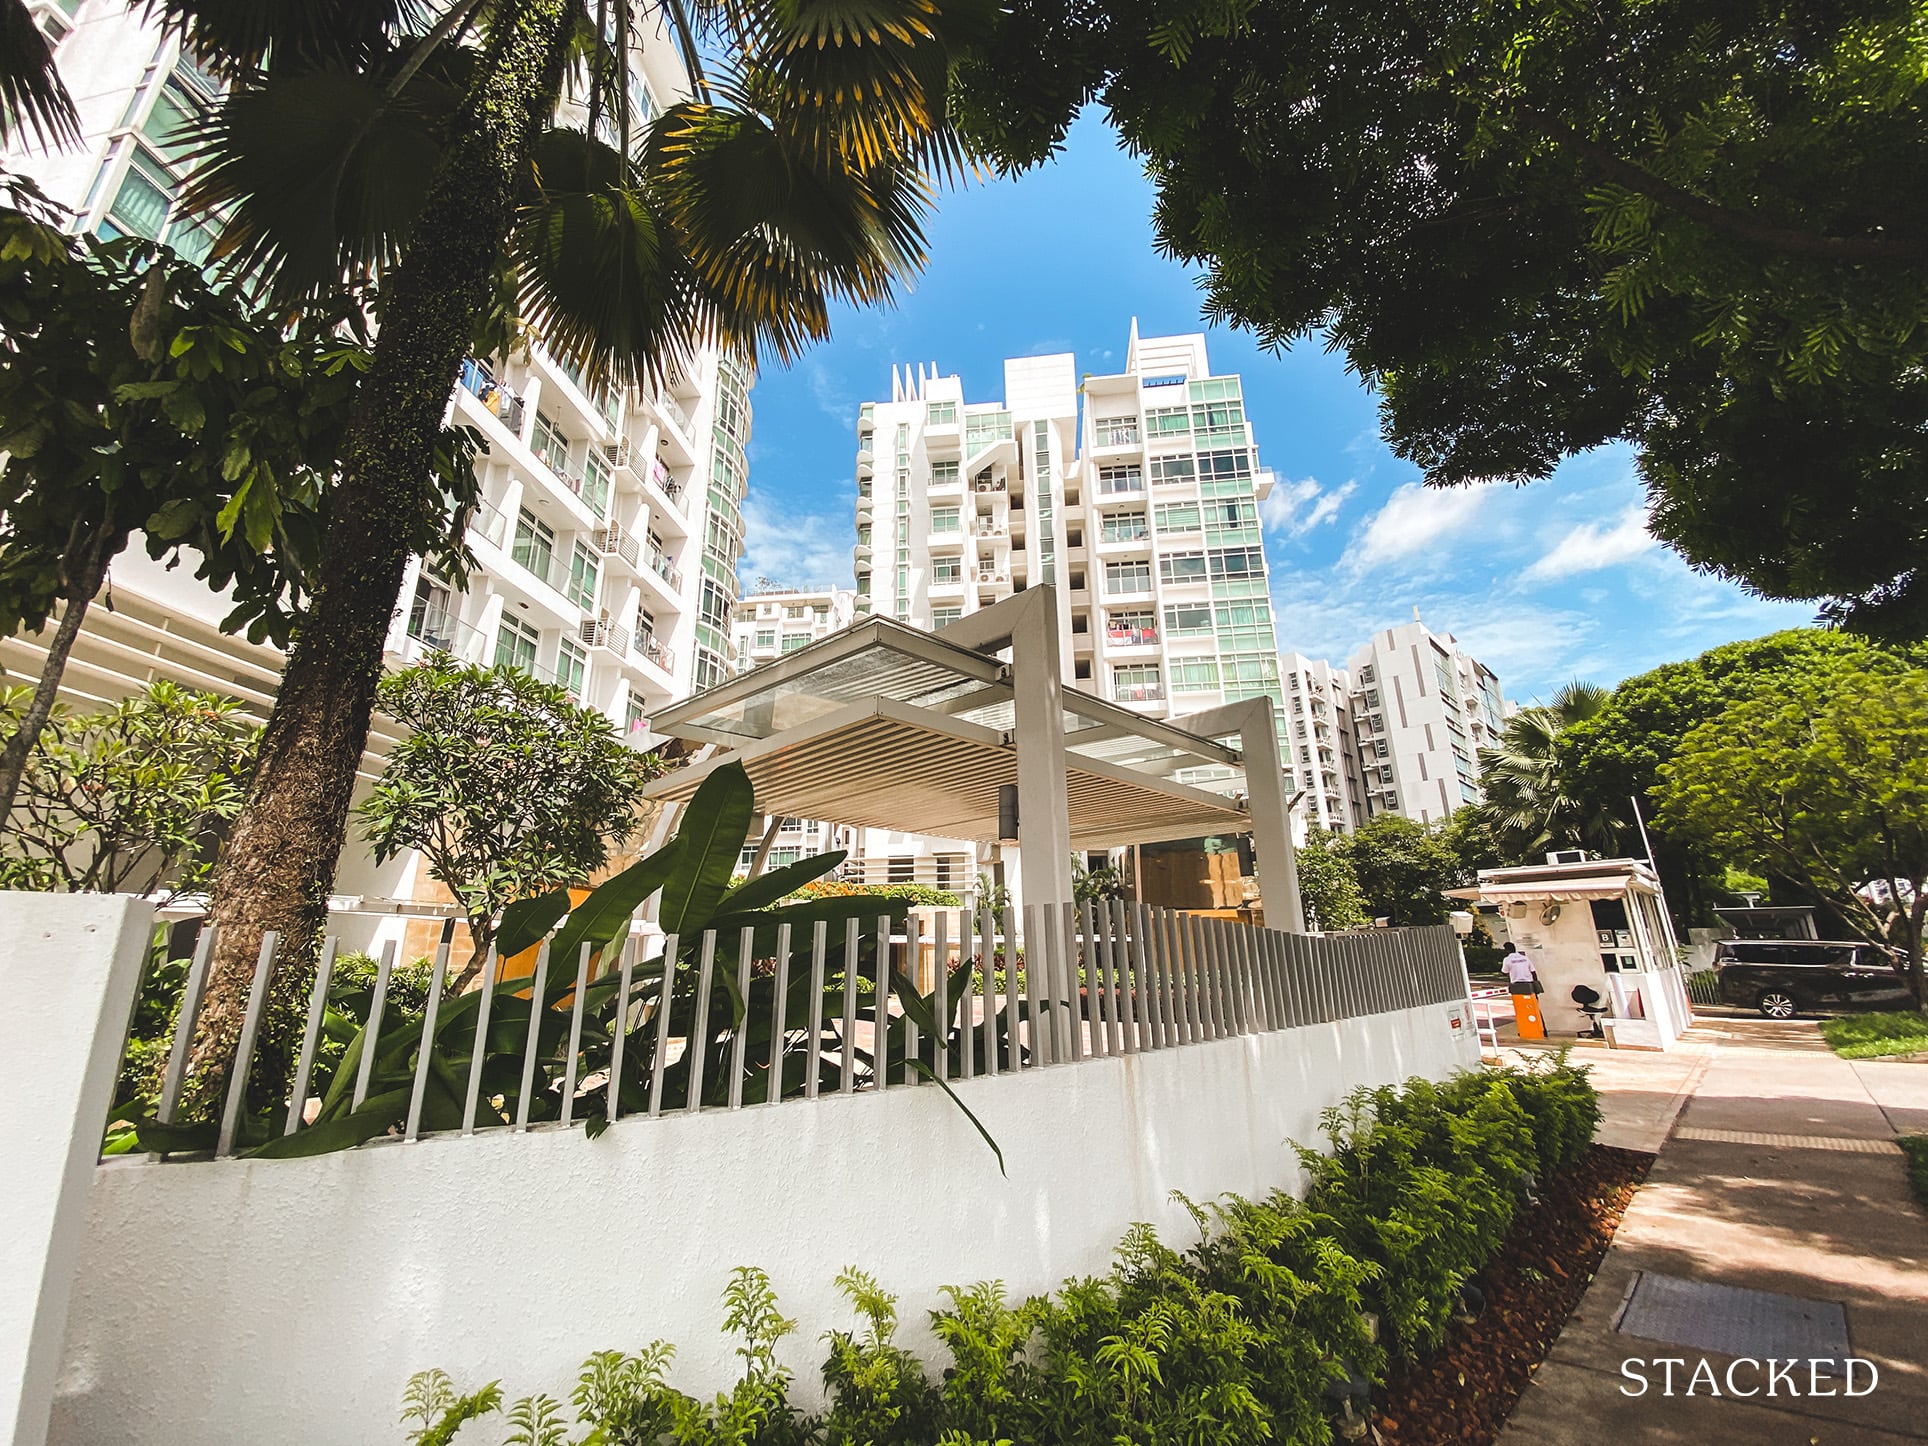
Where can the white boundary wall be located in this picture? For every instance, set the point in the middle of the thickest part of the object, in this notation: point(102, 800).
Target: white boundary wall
point(255, 1300)
point(68, 968)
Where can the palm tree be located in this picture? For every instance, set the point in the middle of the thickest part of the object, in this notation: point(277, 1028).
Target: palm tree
point(426, 145)
point(32, 96)
point(1526, 804)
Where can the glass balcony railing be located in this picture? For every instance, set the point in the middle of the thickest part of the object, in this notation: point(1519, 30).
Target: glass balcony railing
point(1115, 434)
point(439, 631)
point(1130, 637)
point(660, 564)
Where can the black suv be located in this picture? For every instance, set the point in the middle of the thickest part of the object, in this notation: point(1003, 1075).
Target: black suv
point(1784, 977)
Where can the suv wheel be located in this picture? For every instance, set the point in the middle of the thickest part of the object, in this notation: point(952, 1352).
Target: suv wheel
point(1776, 1004)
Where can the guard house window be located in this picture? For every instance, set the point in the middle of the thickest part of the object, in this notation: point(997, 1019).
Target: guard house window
point(900, 871)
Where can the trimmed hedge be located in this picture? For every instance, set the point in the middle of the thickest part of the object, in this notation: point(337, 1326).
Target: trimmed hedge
point(1268, 1328)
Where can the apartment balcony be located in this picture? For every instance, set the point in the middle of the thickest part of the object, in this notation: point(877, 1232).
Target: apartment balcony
point(947, 586)
point(992, 574)
point(668, 572)
point(600, 633)
point(646, 647)
point(435, 630)
point(496, 399)
point(986, 529)
point(615, 541)
point(867, 419)
point(1114, 433)
point(665, 482)
point(677, 414)
point(1131, 637)
point(946, 486)
point(1138, 693)
point(866, 462)
point(862, 551)
point(491, 524)
point(864, 506)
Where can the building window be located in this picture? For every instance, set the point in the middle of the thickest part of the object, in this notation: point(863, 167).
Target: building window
point(1195, 675)
point(1182, 618)
point(943, 472)
point(1166, 421)
point(1112, 480)
point(944, 617)
point(952, 871)
point(515, 645)
point(581, 588)
point(1127, 577)
point(595, 482)
point(1238, 562)
point(1123, 527)
point(571, 667)
point(794, 641)
point(795, 610)
point(945, 569)
point(549, 445)
point(946, 519)
point(941, 414)
point(1137, 684)
point(535, 543)
point(1178, 517)
point(1130, 628)
point(1182, 567)
point(1168, 470)
point(766, 639)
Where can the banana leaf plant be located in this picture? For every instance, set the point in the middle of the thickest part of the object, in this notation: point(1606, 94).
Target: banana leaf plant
point(527, 1041)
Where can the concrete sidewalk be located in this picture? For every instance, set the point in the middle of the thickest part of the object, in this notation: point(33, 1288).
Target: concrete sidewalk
point(1779, 1175)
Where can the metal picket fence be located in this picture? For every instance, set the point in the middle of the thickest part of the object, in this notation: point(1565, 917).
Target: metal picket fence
point(858, 1006)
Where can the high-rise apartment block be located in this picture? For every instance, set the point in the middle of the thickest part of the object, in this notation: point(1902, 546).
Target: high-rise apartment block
point(1136, 494)
point(773, 621)
point(1322, 761)
point(1422, 709)
point(609, 528)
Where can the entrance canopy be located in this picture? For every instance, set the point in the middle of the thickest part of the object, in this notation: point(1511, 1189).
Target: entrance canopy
point(887, 727)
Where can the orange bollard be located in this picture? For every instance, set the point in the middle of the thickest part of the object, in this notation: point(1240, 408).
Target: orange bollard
point(1526, 1013)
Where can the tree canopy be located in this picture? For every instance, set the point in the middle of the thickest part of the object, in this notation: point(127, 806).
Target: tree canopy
point(1696, 226)
point(1401, 867)
point(507, 787)
point(1825, 781)
point(1328, 887)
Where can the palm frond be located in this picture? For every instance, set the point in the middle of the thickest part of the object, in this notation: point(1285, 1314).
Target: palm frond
point(320, 175)
point(239, 37)
point(32, 94)
point(774, 232)
point(598, 267)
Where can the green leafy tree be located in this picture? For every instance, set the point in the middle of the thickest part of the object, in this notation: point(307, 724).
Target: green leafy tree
point(1528, 806)
point(1328, 886)
point(1826, 782)
point(431, 145)
point(505, 785)
point(137, 398)
point(1617, 755)
point(130, 799)
point(1401, 867)
point(1537, 228)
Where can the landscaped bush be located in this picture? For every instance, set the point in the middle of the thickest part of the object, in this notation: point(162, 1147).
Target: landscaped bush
point(921, 895)
point(1873, 1036)
point(1265, 1330)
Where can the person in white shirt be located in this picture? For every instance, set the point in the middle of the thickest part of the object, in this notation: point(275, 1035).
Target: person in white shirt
point(1518, 969)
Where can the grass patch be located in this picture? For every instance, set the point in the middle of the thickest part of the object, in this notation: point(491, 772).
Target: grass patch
point(1870, 1036)
point(1915, 1147)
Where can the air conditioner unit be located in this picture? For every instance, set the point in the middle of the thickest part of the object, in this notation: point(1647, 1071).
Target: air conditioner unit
point(616, 454)
point(1567, 856)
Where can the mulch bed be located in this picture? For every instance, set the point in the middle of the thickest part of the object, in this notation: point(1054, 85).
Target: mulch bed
point(1463, 1395)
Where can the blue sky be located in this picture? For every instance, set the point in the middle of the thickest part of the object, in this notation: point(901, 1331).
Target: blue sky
point(1543, 583)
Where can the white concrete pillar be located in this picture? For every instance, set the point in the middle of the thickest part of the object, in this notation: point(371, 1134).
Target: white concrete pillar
point(69, 968)
point(1253, 722)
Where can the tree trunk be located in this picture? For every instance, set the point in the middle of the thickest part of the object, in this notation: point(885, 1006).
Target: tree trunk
point(279, 864)
point(13, 758)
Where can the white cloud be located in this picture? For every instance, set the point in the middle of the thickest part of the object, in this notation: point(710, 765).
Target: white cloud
point(1295, 508)
point(1415, 520)
point(829, 391)
point(796, 549)
point(1595, 545)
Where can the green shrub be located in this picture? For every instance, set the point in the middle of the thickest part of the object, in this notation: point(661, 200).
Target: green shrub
point(1232, 1341)
point(1871, 1036)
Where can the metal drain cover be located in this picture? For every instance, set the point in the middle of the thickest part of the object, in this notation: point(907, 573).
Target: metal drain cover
point(1732, 1321)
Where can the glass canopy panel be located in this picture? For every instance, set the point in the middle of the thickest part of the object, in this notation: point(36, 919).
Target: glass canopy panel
point(792, 699)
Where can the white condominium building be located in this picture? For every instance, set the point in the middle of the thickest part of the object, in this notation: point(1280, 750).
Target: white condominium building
point(1422, 708)
point(1136, 493)
point(1321, 756)
point(773, 621)
point(609, 527)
